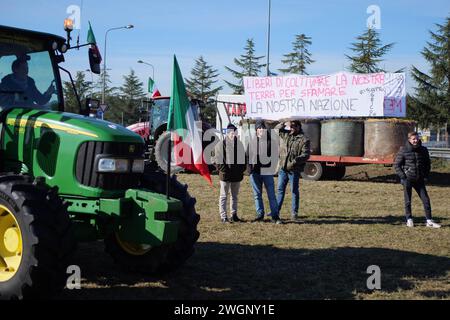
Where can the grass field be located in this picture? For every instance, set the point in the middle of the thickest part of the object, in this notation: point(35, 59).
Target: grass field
point(345, 227)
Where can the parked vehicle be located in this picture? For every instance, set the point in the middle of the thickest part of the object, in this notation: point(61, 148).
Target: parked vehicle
point(75, 178)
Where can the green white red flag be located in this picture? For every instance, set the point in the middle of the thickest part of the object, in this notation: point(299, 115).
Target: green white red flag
point(186, 132)
point(91, 40)
point(152, 88)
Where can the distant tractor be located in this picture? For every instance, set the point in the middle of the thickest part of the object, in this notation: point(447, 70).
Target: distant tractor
point(153, 129)
point(69, 177)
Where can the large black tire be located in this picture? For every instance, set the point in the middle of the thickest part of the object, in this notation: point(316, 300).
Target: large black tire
point(161, 154)
point(313, 171)
point(46, 234)
point(166, 257)
point(335, 173)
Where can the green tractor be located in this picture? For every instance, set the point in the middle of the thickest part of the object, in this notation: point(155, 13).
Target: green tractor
point(69, 177)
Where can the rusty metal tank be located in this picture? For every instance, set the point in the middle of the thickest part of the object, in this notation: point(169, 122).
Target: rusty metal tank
point(384, 137)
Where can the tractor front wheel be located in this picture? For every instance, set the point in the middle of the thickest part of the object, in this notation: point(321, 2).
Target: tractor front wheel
point(36, 239)
point(147, 259)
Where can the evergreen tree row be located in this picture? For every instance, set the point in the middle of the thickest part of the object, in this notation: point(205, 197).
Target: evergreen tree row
point(430, 103)
point(123, 102)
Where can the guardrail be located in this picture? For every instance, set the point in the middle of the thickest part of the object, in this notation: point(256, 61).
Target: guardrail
point(443, 153)
point(436, 144)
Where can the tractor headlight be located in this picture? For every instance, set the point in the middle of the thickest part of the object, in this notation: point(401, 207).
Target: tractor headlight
point(138, 165)
point(113, 165)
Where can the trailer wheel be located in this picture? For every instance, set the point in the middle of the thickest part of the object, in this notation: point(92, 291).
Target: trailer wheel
point(36, 239)
point(313, 171)
point(148, 259)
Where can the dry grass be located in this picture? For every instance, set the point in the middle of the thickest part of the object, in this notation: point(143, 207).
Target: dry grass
point(345, 227)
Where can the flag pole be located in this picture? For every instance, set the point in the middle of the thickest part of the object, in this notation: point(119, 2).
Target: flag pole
point(169, 160)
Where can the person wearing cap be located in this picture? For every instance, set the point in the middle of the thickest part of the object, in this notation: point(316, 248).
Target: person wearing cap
point(294, 151)
point(263, 150)
point(18, 89)
point(230, 160)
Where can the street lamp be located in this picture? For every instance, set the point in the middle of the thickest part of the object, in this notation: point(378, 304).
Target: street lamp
point(149, 64)
point(130, 26)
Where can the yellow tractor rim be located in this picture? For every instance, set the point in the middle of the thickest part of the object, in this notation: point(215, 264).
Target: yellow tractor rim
point(10, 244)
point(135, 249)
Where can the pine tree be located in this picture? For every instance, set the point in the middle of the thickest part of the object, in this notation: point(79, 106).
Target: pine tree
point(84, 90)
point(131, 95)
point(200, 85)
point(110, 91)
point(249, 65)
point(299, 58)
point(369, 52)
point(202, 79)
point(431, 103)
point(112, 100)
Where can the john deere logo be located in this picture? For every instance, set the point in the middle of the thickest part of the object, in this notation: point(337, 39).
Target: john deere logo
point(131, 148)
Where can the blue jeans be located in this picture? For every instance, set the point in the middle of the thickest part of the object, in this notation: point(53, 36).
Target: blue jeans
point(257, 180)
point(293, 178)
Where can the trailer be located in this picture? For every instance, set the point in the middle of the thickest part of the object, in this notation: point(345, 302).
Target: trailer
point(334, 167)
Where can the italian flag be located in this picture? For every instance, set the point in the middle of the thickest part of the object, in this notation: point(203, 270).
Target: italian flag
point(153, 89)
point(156, 92)
point(91, 40)
point(186, 135)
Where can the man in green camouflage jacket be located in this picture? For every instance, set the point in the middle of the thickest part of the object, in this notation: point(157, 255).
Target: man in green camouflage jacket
point(294, 152)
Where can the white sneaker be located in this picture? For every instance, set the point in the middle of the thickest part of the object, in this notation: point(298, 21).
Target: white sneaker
point(410, 223)
point(432, 224)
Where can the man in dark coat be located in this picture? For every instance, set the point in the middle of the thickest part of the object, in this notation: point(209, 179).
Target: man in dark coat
point(231, 164)
point(412, 164)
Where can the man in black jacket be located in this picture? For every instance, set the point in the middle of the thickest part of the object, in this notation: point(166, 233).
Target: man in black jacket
point(413, 165)
point(231, 164)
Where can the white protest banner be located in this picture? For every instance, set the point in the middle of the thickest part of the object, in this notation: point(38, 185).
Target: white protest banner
point(231, 107)
point(394, 95)
point(342, 94)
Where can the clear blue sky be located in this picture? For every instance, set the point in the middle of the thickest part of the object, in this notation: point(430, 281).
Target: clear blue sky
point(218, 30)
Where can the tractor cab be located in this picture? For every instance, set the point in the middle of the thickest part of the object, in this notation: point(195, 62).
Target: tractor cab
point(29, 74)
point(154, 115)
point(29, 71)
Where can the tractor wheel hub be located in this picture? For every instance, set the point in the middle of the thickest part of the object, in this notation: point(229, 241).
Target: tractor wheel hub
point(11, 240)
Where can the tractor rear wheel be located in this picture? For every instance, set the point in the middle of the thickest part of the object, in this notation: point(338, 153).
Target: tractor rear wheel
point(148, 259)
point(36, 239)
point(162, 144)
